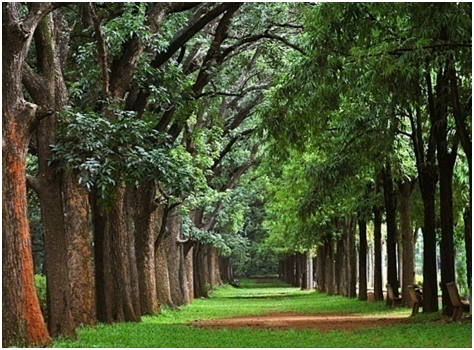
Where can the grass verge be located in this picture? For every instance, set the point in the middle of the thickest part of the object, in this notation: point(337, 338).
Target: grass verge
point(170, 330)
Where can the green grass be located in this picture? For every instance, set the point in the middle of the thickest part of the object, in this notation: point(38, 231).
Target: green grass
point(170, 330)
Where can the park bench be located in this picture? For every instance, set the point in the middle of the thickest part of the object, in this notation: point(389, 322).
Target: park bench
point(458, 304)
point(392, 300)
point(415, 298)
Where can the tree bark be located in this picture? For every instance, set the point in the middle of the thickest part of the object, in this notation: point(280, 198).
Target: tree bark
point(320, 267)
point(390, 200)
point(362, 258)
point(145, 246)
point(378, 292)
point(351, 258)
point(408, 249)
point(330, 268)
point(116, 275)
point(23, 323)
point(202, 284)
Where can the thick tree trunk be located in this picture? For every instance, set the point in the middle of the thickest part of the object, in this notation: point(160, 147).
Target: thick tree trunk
point(22, 321)
point(446, 162)
point(118, 289)
point(378, 291)
point(175, 260)
point(430, 279)
point(60, 320)
point(202, 284)
point(163, 290)
point(408, 248)
point(215, 276)
point(76, 219)
point(362, 258)
point(145, 247)
point(390, 200)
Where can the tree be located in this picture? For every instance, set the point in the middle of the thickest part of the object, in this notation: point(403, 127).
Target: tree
point(22, 320)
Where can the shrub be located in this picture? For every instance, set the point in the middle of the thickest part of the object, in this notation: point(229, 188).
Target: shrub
point(40, 284)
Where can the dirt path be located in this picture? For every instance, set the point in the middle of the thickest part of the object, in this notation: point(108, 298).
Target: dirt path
point(287, 320)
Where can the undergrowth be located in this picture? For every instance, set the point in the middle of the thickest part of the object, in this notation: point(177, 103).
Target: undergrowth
point(171, 328)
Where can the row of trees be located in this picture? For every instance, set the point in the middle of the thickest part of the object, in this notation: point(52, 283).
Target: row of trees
point(136, 120)
point(378, 115)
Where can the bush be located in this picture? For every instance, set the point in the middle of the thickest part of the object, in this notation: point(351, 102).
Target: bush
point(40, 284)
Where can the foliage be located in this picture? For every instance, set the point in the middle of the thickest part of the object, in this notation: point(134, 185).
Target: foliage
point(106, 151)
point(41, 292)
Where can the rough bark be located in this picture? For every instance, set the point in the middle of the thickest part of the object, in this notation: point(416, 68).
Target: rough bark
point(175, 261)
point(22, 323)
point(116, 275)
point(145, 246)
point(76, 219)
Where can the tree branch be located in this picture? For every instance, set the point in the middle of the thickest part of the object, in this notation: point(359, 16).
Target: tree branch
point(34, 183)
point(101, 48)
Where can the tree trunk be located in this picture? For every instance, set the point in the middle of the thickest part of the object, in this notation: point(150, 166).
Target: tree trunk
point(22, 321)
point(120, 280)
point(330, 269)
point(175, 260)
point(408, 249)
point(468, 243)
point(76, 219)
point(340, 263)
point(163, 290)
point(390, 200)
point(190, 276)
point(430, 279)
point(201, 271)
point(362, 258)
point(145, 247)
point(378, 292)
point(320, 267)
point(446, 162)
point(351, 259)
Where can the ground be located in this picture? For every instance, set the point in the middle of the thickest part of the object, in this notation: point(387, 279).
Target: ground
point(287, 320)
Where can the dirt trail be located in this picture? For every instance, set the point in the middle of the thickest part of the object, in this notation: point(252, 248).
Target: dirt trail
point(288, 320)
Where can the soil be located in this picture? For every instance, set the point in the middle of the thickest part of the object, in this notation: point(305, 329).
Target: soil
point(321, 322)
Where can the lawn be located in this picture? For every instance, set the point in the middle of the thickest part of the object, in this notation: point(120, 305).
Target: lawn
point(170, 329)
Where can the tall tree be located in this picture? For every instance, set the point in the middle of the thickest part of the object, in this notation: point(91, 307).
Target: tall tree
point(22, 320)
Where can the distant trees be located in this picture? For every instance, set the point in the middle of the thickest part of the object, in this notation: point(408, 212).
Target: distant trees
point(377, 81)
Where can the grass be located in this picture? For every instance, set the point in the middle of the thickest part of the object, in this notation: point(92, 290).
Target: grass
point(170, 330)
